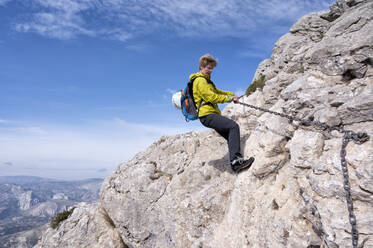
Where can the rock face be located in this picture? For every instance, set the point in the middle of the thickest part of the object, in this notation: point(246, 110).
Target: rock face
point(181, 192)
point(88, 226)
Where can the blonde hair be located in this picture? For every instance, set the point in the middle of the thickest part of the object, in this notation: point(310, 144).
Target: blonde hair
point(206, 60)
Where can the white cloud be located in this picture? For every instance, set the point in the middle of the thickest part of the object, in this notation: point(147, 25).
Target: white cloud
point(61, 24)
point(150, 130)
point(118, 34)
point(251, 54)
point(124, 19)
point(27, 130)
point(68, 151)
point(67, 6)
point(171, 91)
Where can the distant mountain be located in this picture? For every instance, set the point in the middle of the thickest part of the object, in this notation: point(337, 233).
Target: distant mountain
point(21, 180)
point(27, 203)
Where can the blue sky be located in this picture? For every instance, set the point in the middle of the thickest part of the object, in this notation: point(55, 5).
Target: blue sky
point(86, 84)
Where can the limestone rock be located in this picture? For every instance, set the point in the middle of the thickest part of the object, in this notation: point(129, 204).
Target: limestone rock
point(88, 226)
point(305, 148)
point(45, 209)
point(176, 199)
point(60, 196)
point(25, 200)
point(312, 26)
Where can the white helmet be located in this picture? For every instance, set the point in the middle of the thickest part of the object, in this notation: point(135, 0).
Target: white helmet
point(176, 100)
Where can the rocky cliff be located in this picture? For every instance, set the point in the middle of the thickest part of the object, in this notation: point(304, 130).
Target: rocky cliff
point(181, 192)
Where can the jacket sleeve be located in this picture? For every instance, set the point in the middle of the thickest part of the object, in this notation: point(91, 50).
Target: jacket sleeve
point(223, 92)
point(209, 93)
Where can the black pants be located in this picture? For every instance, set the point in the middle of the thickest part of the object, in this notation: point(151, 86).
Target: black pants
point(227, 128)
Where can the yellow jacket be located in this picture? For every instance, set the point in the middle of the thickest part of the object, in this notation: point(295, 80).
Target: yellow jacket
point(205, 91)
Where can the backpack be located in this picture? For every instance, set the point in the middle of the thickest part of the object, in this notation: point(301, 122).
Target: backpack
point(188, 106)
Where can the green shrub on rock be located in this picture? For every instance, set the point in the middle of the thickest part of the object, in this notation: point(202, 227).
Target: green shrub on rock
point(258, 83)
point(61, 217)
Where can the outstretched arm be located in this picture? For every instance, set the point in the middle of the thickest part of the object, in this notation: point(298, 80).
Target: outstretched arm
point(210, 94)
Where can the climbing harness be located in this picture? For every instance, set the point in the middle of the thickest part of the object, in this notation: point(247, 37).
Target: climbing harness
point(358, 138)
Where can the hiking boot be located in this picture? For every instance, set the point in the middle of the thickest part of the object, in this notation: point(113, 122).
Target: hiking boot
point(240, 164)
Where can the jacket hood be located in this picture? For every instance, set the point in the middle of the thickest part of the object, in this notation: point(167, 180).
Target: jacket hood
point(198, 74)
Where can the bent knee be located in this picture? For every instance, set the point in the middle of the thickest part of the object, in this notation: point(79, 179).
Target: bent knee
point(235, 126)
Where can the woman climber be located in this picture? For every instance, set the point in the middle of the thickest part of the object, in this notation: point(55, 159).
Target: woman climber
point(206, 95)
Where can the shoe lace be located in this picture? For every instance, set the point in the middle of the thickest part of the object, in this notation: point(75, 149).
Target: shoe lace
point(239, 161)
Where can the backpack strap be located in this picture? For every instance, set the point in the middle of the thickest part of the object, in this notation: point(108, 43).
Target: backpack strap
point(191, 93)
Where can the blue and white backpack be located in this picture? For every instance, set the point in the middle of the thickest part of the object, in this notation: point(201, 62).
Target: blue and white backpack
point(186, 102)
